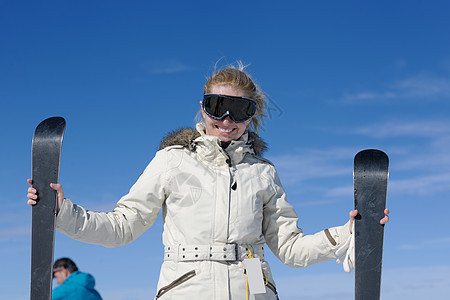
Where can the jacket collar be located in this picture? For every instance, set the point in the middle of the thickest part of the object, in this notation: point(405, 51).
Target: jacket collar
point(209, 147)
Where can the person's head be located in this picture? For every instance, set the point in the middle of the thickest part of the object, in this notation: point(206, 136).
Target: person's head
point(234, 81)
point(62, 268)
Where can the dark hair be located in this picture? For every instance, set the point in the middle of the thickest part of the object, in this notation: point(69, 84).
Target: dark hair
point(65, 263)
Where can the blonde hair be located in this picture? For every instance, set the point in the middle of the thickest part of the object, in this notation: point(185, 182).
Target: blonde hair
point(236, 77)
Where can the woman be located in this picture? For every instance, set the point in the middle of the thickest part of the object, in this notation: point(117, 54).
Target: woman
point(220, 200)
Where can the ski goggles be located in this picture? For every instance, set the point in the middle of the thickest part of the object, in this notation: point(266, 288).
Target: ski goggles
point(240, 109)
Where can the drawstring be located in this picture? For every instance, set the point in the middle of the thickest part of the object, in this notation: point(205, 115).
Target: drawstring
point(250, 255)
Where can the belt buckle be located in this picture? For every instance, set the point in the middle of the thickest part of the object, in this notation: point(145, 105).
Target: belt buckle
point(236, 250)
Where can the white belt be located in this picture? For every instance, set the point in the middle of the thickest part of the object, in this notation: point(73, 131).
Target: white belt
point(216, 252)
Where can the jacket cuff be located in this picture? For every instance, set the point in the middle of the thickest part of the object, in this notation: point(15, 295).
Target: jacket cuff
point(64, 212)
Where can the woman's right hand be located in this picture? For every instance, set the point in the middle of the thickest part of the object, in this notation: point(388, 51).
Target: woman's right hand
point(33, 197)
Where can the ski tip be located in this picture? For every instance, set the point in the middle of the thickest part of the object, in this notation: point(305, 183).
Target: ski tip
point(55, 125)
point(366, 151)
point(55, 119)
point(370, 160)
point(53, 122)
point(371, 152)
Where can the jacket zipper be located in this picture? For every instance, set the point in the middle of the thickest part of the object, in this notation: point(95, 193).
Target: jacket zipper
point(232, 186)
point(175, 283)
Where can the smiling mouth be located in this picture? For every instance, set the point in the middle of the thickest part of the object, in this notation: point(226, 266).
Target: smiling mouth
point(224, 130)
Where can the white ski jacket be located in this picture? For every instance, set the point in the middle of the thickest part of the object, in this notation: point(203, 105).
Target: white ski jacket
point(215, 204)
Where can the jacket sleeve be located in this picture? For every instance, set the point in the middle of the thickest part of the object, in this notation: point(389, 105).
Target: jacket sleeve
point(133, 215)
point(60, 292)
point(287, 241)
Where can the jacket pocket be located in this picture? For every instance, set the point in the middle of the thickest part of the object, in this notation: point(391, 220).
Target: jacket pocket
point(271, 286)
point(175, 283)
point(330, 237)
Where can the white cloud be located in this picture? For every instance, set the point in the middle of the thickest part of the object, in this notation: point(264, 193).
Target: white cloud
point(367, 97)
point(342, 191)
point(15, 231)
point(422, 87)
point(166, 67)
point(441, 243)
point(131, 293)
point(418, 167)
point(419, 87)
point(405, 283)
point(312, 163)
point(419, 145)
point(315, 203)
point(429, 129)
point(424, 185)
point(416, 283)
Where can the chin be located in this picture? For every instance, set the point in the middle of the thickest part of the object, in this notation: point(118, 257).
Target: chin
point(225, 139)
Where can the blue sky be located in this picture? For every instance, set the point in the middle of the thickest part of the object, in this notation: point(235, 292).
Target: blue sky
point(341, 77)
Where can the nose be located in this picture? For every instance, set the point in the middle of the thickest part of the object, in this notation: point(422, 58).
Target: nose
point(227, 120)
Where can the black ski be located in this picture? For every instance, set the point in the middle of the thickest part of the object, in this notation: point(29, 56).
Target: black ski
point(370, 177)
point(46, 153)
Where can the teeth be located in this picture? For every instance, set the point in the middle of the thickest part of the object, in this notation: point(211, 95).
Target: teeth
point(225, 130)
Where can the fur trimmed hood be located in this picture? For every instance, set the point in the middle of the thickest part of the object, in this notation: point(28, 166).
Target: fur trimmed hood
point(185, 137)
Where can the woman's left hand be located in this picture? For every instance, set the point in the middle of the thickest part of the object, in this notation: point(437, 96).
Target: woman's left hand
point(354, 213)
